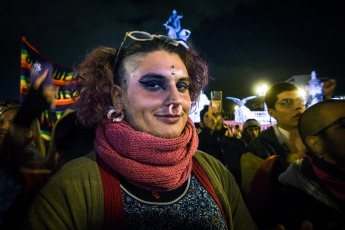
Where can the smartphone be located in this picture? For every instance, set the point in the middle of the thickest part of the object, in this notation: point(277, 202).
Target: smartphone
point(38, 68)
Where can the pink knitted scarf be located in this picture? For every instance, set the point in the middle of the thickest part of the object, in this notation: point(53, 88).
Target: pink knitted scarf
point(146, 161)
point(335, 186)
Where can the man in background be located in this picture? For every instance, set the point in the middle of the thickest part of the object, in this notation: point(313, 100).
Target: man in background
point(214, 141)
point(251, 130)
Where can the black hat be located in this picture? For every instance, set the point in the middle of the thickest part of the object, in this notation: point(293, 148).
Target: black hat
point(251, 123)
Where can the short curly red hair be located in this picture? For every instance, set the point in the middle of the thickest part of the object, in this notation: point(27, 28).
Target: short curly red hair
point(96, 76)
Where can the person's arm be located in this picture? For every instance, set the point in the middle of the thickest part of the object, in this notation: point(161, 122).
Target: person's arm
point(328, 89)
point(38, 99)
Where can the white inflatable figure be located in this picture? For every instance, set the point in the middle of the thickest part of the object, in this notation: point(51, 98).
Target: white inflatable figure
point(240, 102)
point(243, 113)
point(173, 25)
point(314, 89)
point(195, 110)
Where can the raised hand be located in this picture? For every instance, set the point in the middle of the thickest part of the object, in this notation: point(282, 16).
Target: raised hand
point(49, 91)
point(328, 88)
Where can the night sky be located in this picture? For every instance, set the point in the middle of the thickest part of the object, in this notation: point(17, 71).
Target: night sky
point(245, 42)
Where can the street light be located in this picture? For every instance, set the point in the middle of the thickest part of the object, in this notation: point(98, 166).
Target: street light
point(302, 92)
point(261, 90)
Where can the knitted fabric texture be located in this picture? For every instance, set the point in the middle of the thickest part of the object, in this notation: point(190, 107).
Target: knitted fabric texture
point(147, 161)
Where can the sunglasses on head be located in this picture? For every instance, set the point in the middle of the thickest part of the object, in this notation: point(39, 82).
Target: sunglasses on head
point(145, 36)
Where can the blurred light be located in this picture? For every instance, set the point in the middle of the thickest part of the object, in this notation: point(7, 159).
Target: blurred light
point(236, 107)
point(302, 92)
point(262, 89)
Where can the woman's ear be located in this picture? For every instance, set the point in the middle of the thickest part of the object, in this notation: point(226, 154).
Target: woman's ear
point(315, 144)
point(117, 96)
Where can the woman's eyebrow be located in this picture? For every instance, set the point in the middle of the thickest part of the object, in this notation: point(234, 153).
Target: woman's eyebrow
point(152, 75)
point(159, 76)
point(184, 79)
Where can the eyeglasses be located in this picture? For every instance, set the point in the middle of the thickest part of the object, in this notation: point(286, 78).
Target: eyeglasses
point(340, 120)
point(144, 36)
point(289, 102)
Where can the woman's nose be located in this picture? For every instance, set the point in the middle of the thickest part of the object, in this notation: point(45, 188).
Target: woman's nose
point(174, 96)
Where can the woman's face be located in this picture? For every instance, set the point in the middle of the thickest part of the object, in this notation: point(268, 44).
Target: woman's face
point(160, 79)
point(5, 122)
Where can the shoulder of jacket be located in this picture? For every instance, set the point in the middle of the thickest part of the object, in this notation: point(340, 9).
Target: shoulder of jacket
point(80, 166)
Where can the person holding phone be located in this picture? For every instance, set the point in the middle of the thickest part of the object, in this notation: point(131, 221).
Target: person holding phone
point(214, 140)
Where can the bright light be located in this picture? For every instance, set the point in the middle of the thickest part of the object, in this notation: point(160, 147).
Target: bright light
point(262, 89)
point(302, 92)
point(236, 107)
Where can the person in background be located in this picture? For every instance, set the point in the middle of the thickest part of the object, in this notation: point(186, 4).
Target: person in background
point(145, 171)
point(314, 186)
point(34, 147)
point(214, 141)
point(8, 102)
point(251, 130)
point(278, 146)
point(274, 149)
point(286, 105)
point(70, 139)
point(213, 120)
point(22, 171)
point(249, 162)
point(210, 118)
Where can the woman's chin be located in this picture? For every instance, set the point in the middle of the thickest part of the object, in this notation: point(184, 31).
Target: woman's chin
point(168, 135)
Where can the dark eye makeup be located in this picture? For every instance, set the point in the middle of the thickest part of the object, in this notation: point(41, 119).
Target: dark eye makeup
point(155, 82)
point(152, 84)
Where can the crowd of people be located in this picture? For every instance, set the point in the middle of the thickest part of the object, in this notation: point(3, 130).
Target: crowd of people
point(129, 157)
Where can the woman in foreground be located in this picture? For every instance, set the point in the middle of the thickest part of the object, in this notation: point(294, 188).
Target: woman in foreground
point(145, 172)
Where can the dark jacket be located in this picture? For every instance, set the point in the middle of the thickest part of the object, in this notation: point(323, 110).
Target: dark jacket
point(265, 183)
point(267, 144)
point(306, 198)
point(227, 150)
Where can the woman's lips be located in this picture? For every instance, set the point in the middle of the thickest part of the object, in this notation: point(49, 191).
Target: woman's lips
point(168, 118)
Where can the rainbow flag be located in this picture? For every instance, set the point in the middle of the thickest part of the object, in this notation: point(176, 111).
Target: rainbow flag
point(61, 77)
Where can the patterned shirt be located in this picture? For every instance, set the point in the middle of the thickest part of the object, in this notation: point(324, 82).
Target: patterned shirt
point(194, 208)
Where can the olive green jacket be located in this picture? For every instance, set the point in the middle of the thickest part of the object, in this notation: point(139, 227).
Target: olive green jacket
point(73, 198)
